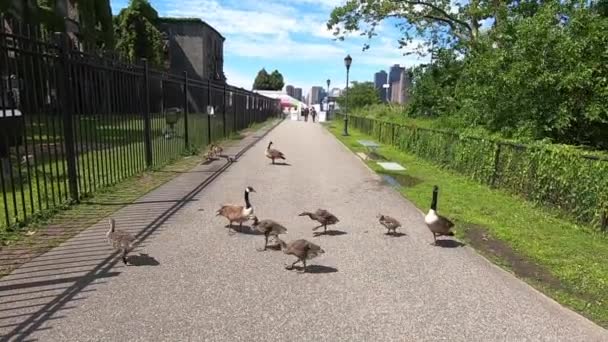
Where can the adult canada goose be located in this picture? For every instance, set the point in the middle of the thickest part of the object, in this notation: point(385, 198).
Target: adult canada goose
point(322, 216)
point(237, 213)
point(120, 240)
point(389, 222)
point(273, 154)
point(269, 228)
point(302, 249)
point(438, 225)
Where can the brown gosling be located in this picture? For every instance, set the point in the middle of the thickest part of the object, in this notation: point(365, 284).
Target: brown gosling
point(217, 150)
point(273, 154)
point(268, 228)
point(322, 216)
point(301, 249)
point(237, 213)
point(120, 240)
point(389, 223)
point(437, 224)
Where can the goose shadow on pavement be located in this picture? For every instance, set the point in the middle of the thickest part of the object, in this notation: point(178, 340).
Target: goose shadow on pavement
point(395, 235)
point(447, 243)
point(280, 164)
point(316, 269)
point(246, 230)
point(142, 260)
point(329, 232)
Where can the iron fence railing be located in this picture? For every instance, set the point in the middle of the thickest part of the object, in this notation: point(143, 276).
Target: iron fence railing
point(73, 122)
point(571, 181)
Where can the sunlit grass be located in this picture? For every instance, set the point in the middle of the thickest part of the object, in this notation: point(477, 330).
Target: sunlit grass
point(574, 254)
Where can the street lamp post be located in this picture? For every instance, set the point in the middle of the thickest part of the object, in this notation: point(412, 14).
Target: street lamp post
point(347, 62)
point(328, 82)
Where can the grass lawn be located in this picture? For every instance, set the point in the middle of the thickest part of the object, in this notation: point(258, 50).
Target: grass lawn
point(106, 172)
point(568, 262)
point(109, 149)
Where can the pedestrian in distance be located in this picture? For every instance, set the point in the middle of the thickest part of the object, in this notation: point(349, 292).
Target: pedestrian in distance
point(313, 114)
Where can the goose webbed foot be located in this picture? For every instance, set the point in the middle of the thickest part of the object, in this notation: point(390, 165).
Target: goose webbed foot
point(303, 270)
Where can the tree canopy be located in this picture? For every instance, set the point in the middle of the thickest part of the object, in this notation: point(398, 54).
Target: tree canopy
point(137, 34)
point(265, 81)
point(523, 69)
point(359, 95)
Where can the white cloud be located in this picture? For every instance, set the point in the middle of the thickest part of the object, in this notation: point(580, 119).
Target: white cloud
point(238, 79)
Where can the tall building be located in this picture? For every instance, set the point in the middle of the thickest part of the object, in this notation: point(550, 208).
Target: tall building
point(290, 90)
point(297, 94)
point(314, 96)
point(336, 92)
point(401, 87)
point(380, 79)
point(394, 75)
point(193, 46)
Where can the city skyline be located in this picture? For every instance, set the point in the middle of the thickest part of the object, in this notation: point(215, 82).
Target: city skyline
point(270, 35)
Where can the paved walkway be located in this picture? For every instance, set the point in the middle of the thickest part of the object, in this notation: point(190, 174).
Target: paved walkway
point(199, 283)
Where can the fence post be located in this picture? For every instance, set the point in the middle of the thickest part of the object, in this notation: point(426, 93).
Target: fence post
point(496, 159)
point(393, 134)
point(234, 106)
point(186, 135)
point(209, 116)
point(146, 115)
point(66, 105)
point(224, 112)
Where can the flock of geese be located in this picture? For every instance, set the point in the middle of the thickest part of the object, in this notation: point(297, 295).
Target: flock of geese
point(302, 249)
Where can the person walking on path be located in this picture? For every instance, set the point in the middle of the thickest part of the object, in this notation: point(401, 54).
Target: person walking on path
point(313, 114)
point(306, 115)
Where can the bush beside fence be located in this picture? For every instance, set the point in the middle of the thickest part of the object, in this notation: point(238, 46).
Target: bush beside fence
point(559, 176)
point(72, 122)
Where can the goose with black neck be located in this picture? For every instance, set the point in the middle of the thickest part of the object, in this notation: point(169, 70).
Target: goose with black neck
point(437, 224)
point(238, 213)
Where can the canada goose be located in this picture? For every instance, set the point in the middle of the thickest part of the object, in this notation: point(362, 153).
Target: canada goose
point(209, 155)
point(322, 216)
point(217, 150)
point(302, 249)
point(438, 225)
point(237, 213)
point(268, 227)
point(389, 222)
point(273, 154)
point(120, 240)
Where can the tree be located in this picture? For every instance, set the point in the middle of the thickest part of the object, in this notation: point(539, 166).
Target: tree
point(276, 80)
point(265, 81)
point(441, 24)
point(137, 34)
point(359, 95)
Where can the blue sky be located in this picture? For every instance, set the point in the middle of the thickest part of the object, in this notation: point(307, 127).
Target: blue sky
point(288, 35)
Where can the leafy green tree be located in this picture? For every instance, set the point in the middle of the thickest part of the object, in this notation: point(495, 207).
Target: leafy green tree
point(442, 24)
point(359, 95)
point(276, 79)
point(137, 34)
point(265, 81)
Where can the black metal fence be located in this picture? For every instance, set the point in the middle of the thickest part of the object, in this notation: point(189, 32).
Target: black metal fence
point(557, 176)
point(73, 122)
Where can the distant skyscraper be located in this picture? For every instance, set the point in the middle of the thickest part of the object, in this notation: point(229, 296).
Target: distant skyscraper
point(400, 88)
point(314, 96)
point(297, 93)
point(394, 75)
point(380, 79)
point(289, 90)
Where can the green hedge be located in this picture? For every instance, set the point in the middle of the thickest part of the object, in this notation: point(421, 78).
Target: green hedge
point(555, 175)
